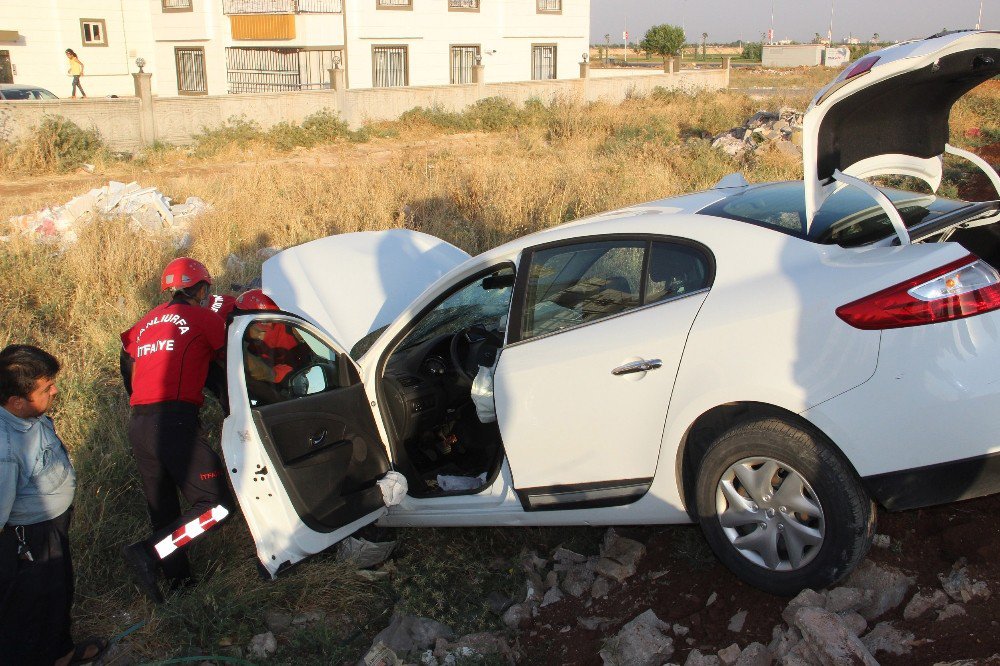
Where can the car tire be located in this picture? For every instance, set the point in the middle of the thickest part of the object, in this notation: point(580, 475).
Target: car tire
point(765, 489)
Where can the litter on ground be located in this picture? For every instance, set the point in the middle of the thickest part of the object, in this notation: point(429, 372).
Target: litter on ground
point(147, 209)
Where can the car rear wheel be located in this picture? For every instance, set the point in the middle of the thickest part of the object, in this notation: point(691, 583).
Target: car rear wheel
point(781, 509)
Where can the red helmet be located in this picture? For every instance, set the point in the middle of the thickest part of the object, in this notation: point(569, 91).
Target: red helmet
point(255, 299)
point(182, 273)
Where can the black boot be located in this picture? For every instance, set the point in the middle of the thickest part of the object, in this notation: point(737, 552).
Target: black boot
point(143, 568)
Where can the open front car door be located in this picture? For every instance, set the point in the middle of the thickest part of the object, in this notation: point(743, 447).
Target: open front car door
point(301, 446)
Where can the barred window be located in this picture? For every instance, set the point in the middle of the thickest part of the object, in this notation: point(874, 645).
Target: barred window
point(191, 71)
point(390, 66)
point(463, 58)
point(93, 32)
point(550, 5)
point(543, 62)
point(176, 5)
point(393, 4)
point(463, 4)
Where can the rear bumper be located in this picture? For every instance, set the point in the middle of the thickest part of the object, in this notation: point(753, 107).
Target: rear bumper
point(936, 484)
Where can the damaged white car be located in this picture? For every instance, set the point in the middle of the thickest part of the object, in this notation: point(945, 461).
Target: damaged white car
point(768, 361)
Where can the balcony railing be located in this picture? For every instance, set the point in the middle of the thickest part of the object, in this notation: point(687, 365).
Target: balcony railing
point(282, 6)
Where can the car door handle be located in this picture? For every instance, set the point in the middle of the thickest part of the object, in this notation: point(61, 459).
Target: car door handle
point(317, 439)
point(638, 366)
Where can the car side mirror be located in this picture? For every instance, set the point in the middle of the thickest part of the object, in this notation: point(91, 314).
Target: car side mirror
point(498, 281)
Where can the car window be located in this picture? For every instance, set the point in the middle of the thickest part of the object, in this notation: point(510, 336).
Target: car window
point(674, 270)
point(283, 361)
point(849, 218)
point(483, 302)
point(15, 95)
point(576, 284)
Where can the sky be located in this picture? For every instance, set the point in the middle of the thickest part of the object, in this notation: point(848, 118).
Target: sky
point(800, 20)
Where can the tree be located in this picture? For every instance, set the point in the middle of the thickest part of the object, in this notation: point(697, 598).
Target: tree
point(704, 50)
point(664, 40)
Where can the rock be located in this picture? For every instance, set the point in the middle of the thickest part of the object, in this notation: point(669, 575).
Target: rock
point(854, 622)
point(474, 647)
point(517, 615)
point(888, 585)
point(886, 638)
point(841, 599)
point(805, 599)
point(950, 611)
point(532, 562)
point(729, 144)
point(365, 554)
point(960, 587)
point(680, 630)
point(755, 654)
point(619, 556)
point(498, 602)
point(276, 621)
point(578, 581)
point(551, 580)
point(881, 541)
point(534, 587)
point(737, 621)
point(593, 623)
point(641, 642)
point(312, 617)
point(783, 639)
point(381, 655)
point(729, 655)
point(600, 588)
point(921, 603)
point(711, 599)
point(263, 646)
point(828, 641)
point(406, 633)
point(553, 595)
point(788, 148)
point(566, 556)
point(696, 658)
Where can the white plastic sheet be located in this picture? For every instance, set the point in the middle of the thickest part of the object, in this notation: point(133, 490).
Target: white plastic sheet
point(394, 487)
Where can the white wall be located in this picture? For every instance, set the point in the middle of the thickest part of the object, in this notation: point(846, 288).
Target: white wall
point(204, 26)
point(504, 30)
point(49, 27)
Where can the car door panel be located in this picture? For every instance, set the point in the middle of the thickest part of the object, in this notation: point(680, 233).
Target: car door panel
point(568, 422)
point(304, 467)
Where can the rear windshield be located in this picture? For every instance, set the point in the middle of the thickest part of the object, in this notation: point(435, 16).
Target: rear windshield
point(25, 93)
point(848, 218)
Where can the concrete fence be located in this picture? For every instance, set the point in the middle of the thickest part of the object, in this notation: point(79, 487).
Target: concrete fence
point(129, 123)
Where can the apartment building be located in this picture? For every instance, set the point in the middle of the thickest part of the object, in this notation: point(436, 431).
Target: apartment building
point(215, 47)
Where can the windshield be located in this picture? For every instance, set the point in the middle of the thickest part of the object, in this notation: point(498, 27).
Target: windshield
point(483, 302)
point(14, 94)
point(849, 218)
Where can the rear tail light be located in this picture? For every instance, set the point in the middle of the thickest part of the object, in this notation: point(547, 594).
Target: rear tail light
point(960, 289)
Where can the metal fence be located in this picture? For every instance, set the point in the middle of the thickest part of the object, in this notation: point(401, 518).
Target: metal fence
point(282, 6)
point(265, 69)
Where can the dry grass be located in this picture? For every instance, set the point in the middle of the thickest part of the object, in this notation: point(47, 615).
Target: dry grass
point(475, 190)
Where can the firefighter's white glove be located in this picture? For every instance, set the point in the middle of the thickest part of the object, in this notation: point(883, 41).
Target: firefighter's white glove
point(394, 487)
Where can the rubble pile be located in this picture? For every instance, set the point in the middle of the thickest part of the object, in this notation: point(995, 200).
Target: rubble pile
point(764, 131)
point(147, 209)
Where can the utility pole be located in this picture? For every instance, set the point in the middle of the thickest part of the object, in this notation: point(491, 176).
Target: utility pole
point(830, 35)
point(770, 33)
point(979, 23)
point(625, 37)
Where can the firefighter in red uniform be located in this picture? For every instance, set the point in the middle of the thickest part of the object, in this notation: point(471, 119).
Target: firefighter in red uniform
point(171, 349)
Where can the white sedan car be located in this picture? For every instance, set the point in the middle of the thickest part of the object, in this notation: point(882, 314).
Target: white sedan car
point(768, 361)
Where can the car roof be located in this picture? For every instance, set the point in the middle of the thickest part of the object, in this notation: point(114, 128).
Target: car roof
point(19, 86)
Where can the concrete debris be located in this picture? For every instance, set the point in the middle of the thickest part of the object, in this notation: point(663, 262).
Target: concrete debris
point(619, 556)
point(737, 621)
point(950, 611)
point(641, 642)
point(147, 209)
point(696, 658)
point(960, 587)
point(407, 633)
point(579, 580)
point(827, 640)
point(380, 655)
point(594, 623)
point(886, 638)
point(263, 646)
point(729, 655)
point(888, 586)
point(764, 131)
point(755, 654)
point(471, 647)
point(921, 603)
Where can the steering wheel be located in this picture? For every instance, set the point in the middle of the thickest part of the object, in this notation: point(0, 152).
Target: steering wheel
point(466, 347)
